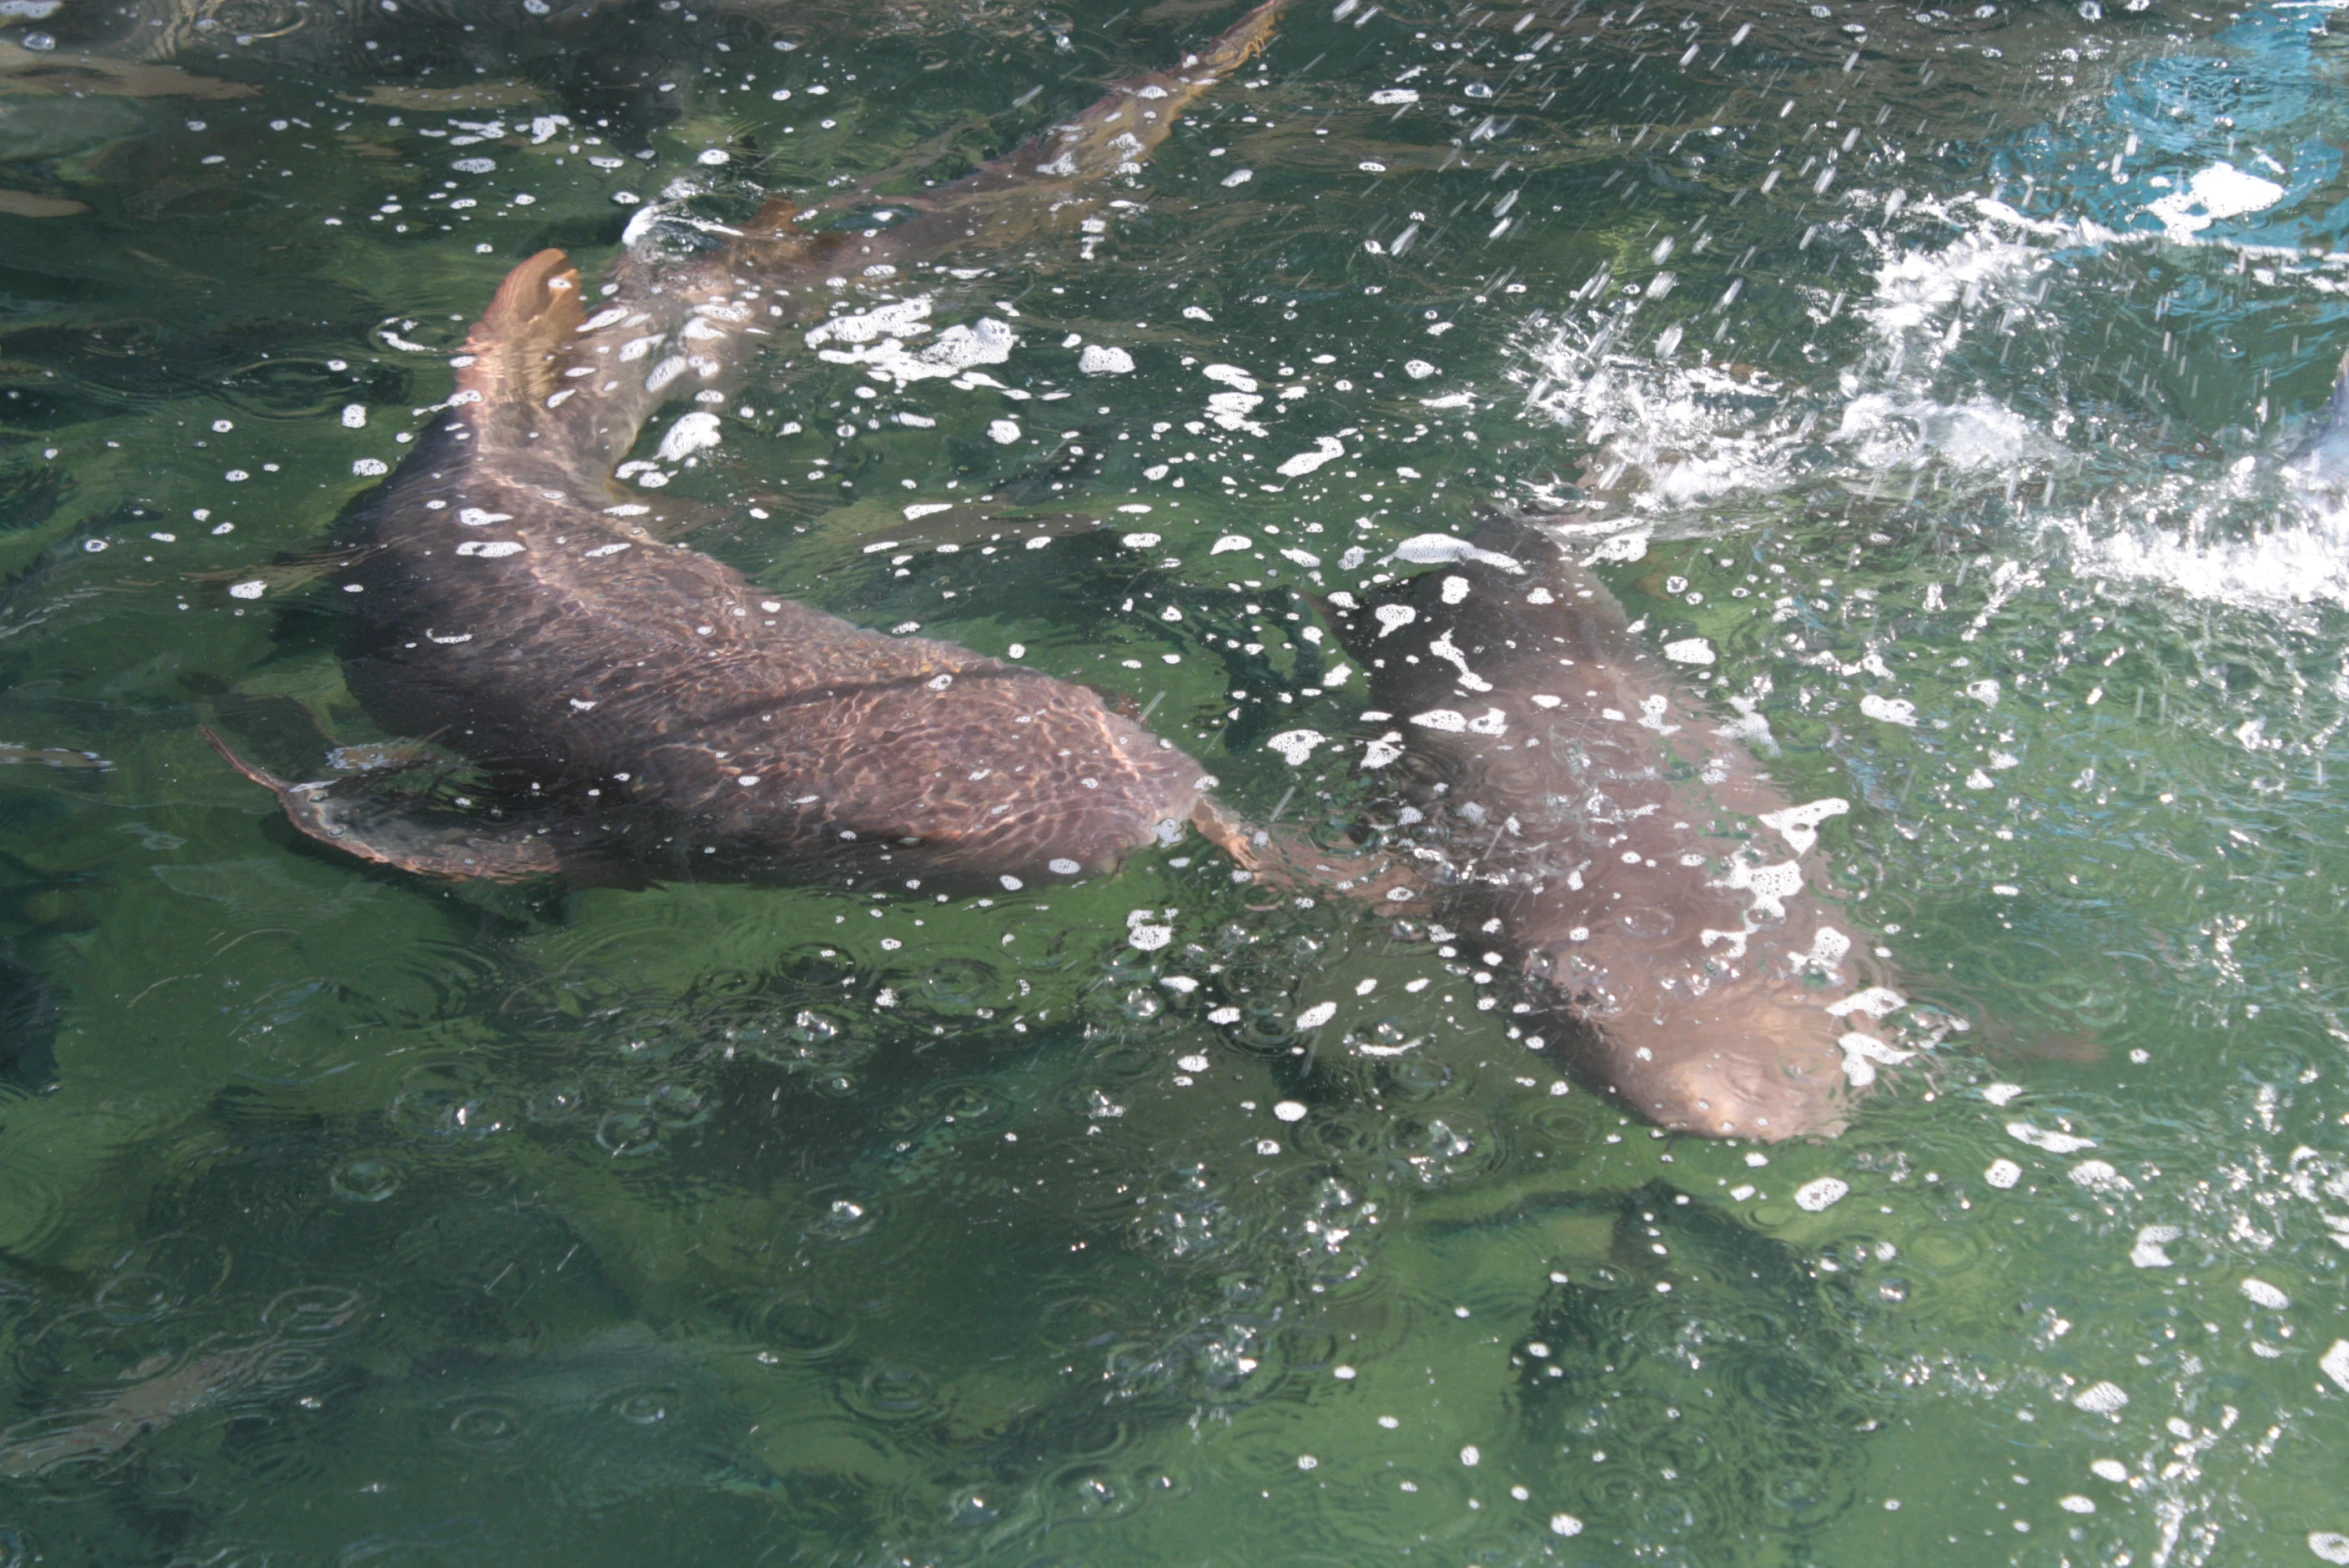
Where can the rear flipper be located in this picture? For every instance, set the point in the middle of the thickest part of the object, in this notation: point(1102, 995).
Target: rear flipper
point(394, 831)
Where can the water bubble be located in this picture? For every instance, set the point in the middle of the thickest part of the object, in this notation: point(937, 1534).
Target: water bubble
point(801, 1328)
point(895, 1390)
point(645, 1407)
point(843, 1215)
point(485, 1426)
point(287, 1365)
point(365, 1179)
point(136, 1296)
point(677, 1105)
point(627, 1134)
point(554, 1103)
point(311, 1310)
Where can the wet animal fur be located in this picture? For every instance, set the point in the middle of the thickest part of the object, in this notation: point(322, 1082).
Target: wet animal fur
point(675, 720)
point(1585, 811)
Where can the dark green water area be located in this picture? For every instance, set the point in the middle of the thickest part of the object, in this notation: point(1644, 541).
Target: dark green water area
point(1925, 383)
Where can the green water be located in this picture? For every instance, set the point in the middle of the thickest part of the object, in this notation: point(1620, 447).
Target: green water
point(359, 1219)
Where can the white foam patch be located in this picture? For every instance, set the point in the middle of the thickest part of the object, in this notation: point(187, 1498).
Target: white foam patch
point(1326, 449)
point(876, 339)
point(2043, 1138)
point(1771, 886)
point(2259, 1291)
point(1689, 650)
point(1295, 746)
point(1890, 710)
point(1824, 1193)
point(2101, 1399)
point(1876, 1001)
point(1443, 549)
point(2213, 195)
point(691, 433)
point(2151, 1248)
point(2101, 1176)
point(1799, 826)
point(2243, 538)
point(901, 319)
point(1860, 1054)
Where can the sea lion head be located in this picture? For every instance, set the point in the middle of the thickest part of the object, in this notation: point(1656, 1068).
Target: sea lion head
point(1761, 1066)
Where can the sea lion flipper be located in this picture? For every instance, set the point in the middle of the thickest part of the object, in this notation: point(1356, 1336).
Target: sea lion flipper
point(1289, 859)
point(1007, 198)
point(283, 575)
point(516, 353)
point(380, 829)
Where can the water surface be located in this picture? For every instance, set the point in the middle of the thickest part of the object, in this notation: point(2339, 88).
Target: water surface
point(1924, 380)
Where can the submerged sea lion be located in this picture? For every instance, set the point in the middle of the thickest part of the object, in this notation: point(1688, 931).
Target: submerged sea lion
point(672, 719)
point(1582, 811)
point(507, 602)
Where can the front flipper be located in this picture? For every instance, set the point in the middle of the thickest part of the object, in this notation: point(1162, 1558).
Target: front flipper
point(1288, 860)
point(390, 831)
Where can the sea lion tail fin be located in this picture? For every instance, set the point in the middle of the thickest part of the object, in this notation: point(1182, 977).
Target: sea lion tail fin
point(517, 352)
point(1006, 198)
point(1241, 42)
point(773, 225)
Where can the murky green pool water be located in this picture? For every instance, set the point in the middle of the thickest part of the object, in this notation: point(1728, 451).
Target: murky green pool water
point(1936, 369)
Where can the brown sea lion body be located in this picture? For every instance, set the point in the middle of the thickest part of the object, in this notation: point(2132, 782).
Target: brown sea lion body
point(664, 715)
point(672, 708)
point(1583, 812)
